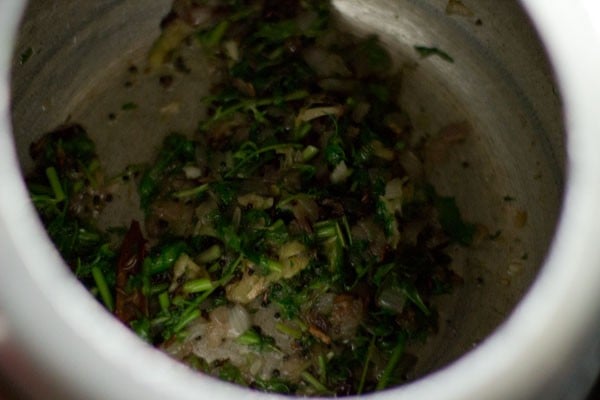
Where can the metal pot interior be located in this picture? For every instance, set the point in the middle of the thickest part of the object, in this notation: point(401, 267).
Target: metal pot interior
point(507, 176)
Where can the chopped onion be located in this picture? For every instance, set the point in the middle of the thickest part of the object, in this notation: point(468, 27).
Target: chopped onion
point(368, 230)
point(239, 321)
point(232, 49)
point(219, 315)
point(179, 269)
point(326, 64)
point(308, 114)
point(291, 249)
point(196, 329)
point(187, 269)
point(393, 189)
point(192, 172)
point(346, 315)
point(379, 150)
point(324, 304)
point(340, 173)
point(257, 202)
point(246, 289)
point(209, 255)
point(293, 257)
point(305, 210)
point(392, 298)
point(176, 214)
point(204, 214)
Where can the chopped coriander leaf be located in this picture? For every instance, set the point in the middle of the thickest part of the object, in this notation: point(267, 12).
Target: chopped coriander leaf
point(142, 328)
point(495, 235)
point(334, 152)
point(375, 57)
point(452, 222)
point(225, 192)
point(129, 106)
point(164, 259)
point(247, 158)
point(258, 341)
point(274, 385)
point(277, 31)
point(433, 51)
point(411, 293)
point(25, 56)
point(230, 373)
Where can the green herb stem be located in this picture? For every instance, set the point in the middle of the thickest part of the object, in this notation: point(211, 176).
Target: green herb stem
point(384, 380)
point(257, 341)
point(346, 226)
point(363, 376)
point(185, 319)
point(329, 229)
point(288, 330)
point(314, 382)
point(193, 307)
point(164, 302)
point(325, 230)
point(322, 361)
point(57, 189)
point(249, 338)
point(193, 192)
point(214, 37)
point(258, 152)
point(270, 265)
point(158, 288)
point(103, 289)
point(253, 104)
point(198, 286)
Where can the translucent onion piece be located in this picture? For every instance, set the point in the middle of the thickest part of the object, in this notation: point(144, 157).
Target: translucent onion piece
point(392, 298)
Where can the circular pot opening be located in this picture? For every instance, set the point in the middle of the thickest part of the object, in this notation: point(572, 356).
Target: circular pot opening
point(86, 63)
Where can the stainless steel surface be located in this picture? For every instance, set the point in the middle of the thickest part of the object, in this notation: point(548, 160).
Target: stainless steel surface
point(58, 340)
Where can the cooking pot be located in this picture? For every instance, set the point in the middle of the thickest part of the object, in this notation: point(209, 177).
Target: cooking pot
point(526, 322)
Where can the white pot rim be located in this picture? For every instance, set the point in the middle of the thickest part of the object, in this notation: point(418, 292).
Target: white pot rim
point(521, 359)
